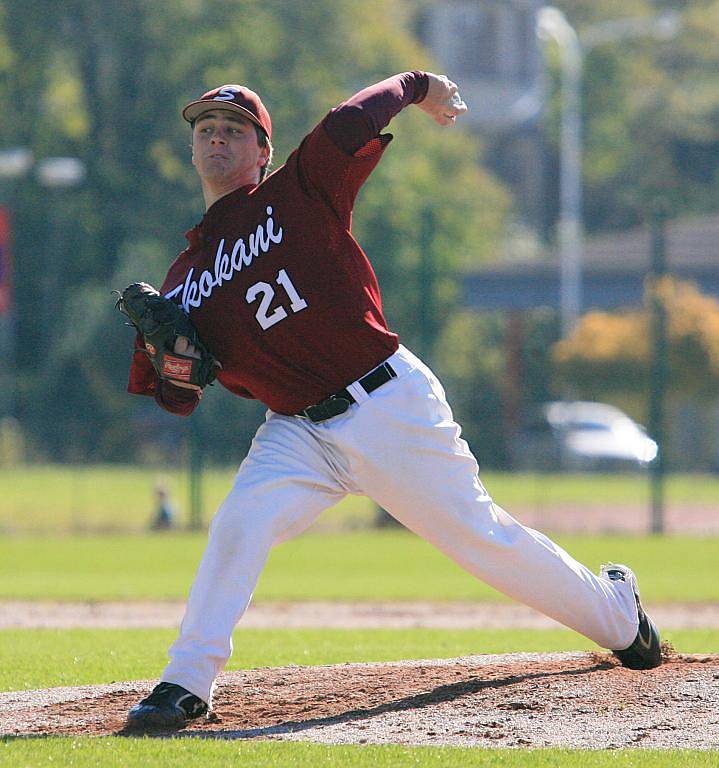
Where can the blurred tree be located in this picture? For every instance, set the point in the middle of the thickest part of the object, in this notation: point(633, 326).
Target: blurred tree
point(105, 82)
point(474, 357)
point(650, 112)
point(610, 353)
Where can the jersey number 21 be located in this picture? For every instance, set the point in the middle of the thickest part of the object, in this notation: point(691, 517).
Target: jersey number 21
point(265, 292)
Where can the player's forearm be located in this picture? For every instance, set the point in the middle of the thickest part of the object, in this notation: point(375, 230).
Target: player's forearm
point(361, 118)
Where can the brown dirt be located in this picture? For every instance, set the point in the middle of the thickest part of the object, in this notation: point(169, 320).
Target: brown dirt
point(335, 615)
point(564, 518)
point(530, 700)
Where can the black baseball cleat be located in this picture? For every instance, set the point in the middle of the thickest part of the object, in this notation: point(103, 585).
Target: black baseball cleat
point(645, 652)
point(168, 707)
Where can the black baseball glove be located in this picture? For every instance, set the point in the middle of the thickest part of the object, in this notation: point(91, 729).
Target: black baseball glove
point(160, 322)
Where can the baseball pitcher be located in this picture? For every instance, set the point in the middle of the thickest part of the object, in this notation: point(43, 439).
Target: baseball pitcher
point(275, 298)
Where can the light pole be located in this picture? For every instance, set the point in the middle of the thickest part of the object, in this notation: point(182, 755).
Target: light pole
point(552, 24)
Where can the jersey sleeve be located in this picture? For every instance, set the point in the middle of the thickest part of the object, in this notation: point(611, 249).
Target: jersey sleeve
point(360, 119)
point(143, 378)
point(335, 159)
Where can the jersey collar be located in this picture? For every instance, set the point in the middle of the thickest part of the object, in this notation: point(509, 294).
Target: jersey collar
point(216, 214)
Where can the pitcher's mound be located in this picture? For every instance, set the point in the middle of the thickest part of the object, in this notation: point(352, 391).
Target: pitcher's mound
point(532, 700)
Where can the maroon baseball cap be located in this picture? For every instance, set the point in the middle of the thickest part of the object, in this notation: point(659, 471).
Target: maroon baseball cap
point(235, 98)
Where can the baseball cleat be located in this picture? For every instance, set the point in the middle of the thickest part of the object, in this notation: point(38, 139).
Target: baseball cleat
point(168, 707)
point(645, 652)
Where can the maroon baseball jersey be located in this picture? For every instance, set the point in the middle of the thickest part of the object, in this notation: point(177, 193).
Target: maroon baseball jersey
point(278, 288)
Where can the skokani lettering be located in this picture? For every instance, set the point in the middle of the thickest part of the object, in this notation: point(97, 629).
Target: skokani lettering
point(227, 263)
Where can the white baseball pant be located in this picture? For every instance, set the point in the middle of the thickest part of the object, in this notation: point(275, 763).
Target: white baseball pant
point(401, 447)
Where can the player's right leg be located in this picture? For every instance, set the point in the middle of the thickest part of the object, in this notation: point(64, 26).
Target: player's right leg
point(285, 481)
point(416, 466)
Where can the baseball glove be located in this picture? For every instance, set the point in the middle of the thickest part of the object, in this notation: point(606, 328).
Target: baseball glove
point(160, 322)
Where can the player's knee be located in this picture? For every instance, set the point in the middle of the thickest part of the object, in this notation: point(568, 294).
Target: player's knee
point(234, 524)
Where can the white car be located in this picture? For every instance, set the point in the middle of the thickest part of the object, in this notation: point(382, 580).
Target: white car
point(584, 435)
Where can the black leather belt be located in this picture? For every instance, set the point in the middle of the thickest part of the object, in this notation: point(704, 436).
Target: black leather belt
point(338, 403)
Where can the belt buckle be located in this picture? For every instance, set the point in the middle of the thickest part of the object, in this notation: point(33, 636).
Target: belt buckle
point(331, 406)
point(334, 405)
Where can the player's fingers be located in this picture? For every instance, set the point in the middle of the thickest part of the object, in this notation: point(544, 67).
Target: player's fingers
point(453, 113)
point(443, 102)
point(456, 109)
point(183, 347)
point(457, 103)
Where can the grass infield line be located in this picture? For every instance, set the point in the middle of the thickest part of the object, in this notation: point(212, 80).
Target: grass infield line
point(46, 658)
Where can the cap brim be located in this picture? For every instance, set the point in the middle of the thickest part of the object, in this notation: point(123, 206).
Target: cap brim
point(196, 108)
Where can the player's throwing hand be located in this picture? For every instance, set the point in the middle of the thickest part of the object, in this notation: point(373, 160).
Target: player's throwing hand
point(442, 102)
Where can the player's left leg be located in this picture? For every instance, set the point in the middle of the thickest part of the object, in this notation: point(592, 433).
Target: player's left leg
point(410, 458)
point(285, 481)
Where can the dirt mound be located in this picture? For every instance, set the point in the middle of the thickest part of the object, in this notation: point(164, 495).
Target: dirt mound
point(535, 700)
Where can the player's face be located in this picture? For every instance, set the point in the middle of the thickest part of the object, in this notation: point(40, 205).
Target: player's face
point(225, 151)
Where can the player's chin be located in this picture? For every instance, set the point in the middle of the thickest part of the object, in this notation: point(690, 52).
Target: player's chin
point(216, 167)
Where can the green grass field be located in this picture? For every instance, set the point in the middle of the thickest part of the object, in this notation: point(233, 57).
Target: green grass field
point(360, 565)
point(350, 563)
point(364, 565)
point(171, 753)
point(83, 499)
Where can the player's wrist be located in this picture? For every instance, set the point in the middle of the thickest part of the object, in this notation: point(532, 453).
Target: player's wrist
point(184, 385)
point(421, 85)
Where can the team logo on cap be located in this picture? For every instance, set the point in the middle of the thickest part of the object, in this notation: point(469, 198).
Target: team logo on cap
point(226, 94)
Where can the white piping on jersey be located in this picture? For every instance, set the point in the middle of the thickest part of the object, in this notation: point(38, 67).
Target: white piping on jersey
point(227, 265)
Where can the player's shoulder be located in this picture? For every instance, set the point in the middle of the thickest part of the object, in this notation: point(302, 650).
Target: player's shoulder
point(174, 279)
